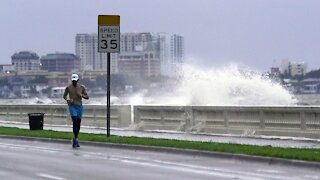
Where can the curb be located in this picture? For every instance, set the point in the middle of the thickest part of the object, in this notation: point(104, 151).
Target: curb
point(239, 157)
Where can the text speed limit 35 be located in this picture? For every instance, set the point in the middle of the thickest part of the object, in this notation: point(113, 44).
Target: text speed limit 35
point(109, 39)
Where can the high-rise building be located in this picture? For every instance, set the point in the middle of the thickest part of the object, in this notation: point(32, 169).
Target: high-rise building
point(85, 50)
point(171, 49)
point(177, 48)
point(139, 55)
point(131, 42)
point(25, 61)
point(168, 49)
point(293, 68)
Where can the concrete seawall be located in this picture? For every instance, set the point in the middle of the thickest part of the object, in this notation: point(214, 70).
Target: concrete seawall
point(244, 120)
point(94, 115)
point(241, 120)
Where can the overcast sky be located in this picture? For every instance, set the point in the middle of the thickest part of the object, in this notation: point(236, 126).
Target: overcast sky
point(254, 33)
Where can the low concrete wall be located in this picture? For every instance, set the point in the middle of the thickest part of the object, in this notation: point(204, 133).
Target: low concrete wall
point(271, 121)
point(244, 120)
point(94, 115)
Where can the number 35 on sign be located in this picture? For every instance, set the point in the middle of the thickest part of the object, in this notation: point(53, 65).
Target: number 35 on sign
point(109, 39)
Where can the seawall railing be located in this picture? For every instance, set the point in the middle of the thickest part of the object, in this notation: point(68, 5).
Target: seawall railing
point(241, 120)
point(94, 115)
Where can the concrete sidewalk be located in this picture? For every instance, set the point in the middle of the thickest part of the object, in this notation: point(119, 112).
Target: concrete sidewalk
point(274, 141)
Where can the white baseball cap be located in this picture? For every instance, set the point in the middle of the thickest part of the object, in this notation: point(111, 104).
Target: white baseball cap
point(74, 77)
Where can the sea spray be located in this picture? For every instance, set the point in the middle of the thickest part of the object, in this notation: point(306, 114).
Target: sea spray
point(218, 87)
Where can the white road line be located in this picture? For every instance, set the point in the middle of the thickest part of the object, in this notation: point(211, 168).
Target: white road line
point(16, 146)
point(48, 176)
point(311, 177)
point(272, 171)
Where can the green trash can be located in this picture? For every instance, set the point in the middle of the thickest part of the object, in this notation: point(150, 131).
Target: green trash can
point(36, 121)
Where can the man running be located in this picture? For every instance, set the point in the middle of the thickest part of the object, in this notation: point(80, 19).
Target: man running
point(73, 94)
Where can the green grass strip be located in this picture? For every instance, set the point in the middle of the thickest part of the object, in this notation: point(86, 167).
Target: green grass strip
point(287, 153)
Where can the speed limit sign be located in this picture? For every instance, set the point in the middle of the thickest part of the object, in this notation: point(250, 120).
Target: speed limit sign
point(109, 33)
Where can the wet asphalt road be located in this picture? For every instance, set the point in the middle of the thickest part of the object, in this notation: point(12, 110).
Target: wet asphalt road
point(31, 160)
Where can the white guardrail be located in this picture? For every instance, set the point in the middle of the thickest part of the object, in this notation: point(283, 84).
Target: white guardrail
point(242, 120)
point(94, 115)
point(270, 121)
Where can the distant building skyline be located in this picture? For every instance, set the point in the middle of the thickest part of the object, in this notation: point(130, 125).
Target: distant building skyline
point(29, 61)
point(166, 48)
point(159, 53)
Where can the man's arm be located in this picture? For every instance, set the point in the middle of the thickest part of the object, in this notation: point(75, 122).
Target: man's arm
point(65, 93)
point(84, 93)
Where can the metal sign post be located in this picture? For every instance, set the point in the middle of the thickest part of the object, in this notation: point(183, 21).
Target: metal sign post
point(108, 42)
point(108, 94)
